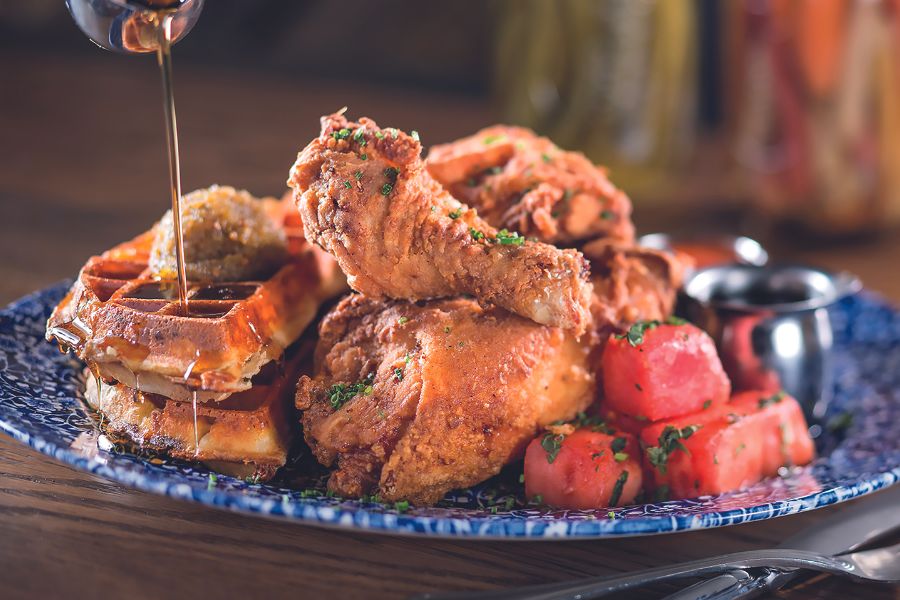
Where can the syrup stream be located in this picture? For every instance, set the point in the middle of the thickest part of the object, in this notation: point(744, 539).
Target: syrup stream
point(196, 431)
point(164, 58)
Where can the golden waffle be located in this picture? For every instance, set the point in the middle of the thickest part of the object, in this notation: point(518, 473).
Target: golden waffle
point(247, 434)
point(128, 327)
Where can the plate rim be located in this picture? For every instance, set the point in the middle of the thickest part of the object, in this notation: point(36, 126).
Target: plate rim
point(507, 527)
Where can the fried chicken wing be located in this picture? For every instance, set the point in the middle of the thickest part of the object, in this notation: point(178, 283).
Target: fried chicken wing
point(632, 283)
point(413, 400)
point(524, 182)
point(365, 196)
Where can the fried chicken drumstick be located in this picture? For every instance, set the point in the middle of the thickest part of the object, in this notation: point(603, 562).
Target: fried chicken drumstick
point(366, 197)
point(521, 181)
point(412, 400)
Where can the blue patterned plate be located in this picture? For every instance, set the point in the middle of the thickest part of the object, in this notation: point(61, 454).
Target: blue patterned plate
point(40, 405)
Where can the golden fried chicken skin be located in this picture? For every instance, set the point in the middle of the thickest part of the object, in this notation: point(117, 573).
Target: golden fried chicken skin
point(412, 400)
point(524, 182)
point(632, 283)
point(365, 196)
point(228, 236)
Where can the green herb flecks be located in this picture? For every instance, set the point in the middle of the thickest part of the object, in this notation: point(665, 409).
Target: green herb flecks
point(508, 238)
point(455, 214)
point(552, 443)
point(398, 374)
point(607, 215)
point(635, 334)
point(707, 404)
point(391, 173)
point(620, 456)
point(492, 138)
point(773, 399)
point(348, 185)
point(340, 393)
point(669, 441)
point(476, 235)
point(617, 489)
point(402, 320)
point(595, 424)
point(402, 506)
point(341, 134)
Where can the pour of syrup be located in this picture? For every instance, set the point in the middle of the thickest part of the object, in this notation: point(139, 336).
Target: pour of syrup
point(196, 430)
point(163, 19)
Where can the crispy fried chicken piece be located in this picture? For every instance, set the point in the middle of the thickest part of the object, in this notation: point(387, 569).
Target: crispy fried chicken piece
point(365, 196)
point(521, 181)
point(412, 400)
point(632, 283)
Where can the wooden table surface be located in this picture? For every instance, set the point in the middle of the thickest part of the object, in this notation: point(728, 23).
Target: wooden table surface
point(84, 167)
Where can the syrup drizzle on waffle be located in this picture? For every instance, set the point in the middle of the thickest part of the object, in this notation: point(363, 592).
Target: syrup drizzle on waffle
point(163, 21)
point(113, 286)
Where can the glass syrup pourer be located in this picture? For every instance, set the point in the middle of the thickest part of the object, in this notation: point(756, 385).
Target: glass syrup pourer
point(140, 26)
point(129, 26)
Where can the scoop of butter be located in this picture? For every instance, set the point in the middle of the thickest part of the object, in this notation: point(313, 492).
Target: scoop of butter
point(228, 236)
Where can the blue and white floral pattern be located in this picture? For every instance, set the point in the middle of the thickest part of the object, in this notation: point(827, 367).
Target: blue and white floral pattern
point(40, 405)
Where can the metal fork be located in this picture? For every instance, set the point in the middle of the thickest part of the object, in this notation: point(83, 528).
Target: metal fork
point(881, 565)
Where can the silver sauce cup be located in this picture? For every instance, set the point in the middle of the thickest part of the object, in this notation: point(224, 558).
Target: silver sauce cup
point(771, 326)
point(730, 248)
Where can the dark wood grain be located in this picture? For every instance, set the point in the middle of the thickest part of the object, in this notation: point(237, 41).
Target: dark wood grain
point(83, 168)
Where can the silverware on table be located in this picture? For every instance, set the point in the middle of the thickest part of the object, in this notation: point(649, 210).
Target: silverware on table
point(881, 565)
point(771, 326)
point(847, 529)
point(852, 527)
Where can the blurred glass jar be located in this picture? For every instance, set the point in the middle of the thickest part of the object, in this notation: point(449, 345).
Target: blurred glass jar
point(616, 79)
point(815, 91)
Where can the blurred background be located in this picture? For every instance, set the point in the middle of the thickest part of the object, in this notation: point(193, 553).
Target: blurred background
point(779, 119)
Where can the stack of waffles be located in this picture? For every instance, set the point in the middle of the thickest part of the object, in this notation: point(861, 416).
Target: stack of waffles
point(215, 385)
